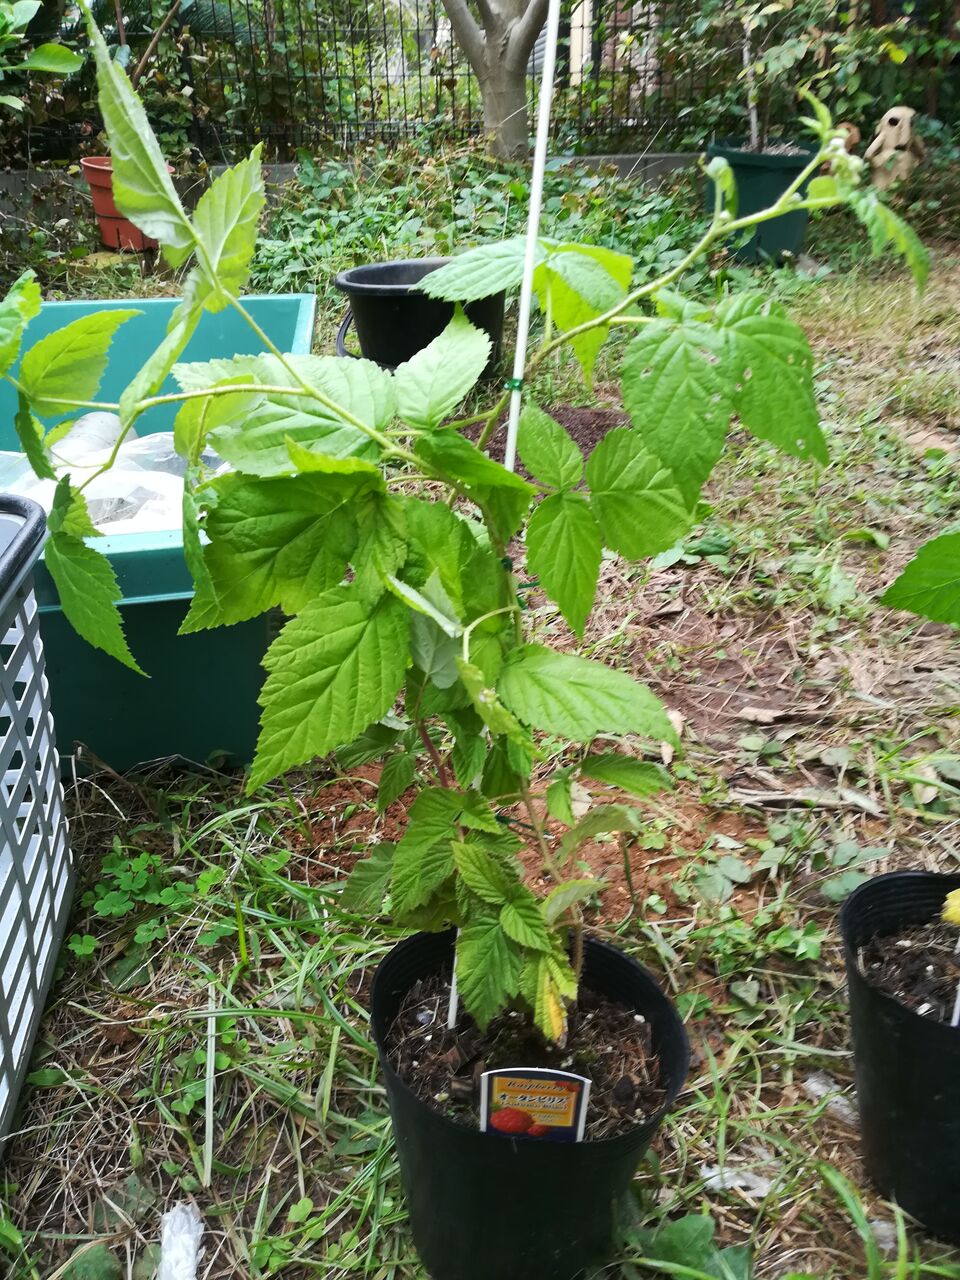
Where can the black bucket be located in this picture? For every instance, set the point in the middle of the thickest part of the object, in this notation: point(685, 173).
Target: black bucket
point(394, 320)
point(908, 1067)
point(488, 1207)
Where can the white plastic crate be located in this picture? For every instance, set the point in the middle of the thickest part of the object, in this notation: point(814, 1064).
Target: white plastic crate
point(36, 867)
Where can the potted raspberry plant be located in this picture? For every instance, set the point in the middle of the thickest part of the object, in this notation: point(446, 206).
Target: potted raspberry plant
point(359, 507)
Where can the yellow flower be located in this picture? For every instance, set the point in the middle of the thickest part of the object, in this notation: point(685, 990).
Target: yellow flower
point(951, 908)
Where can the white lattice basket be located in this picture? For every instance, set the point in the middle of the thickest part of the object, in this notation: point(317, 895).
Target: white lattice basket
point(36, 867)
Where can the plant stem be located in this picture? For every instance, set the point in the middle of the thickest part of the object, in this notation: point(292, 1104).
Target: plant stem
point(443, 773)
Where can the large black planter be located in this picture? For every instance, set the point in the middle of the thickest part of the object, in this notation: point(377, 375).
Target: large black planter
point(762, 177)
point(488, 1207)
point(394, 320)
point(908, 1067)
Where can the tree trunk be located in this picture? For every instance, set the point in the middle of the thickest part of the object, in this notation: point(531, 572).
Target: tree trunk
point(505, 119)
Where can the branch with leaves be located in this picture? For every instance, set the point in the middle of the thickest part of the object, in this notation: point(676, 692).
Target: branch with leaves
point(356, 506)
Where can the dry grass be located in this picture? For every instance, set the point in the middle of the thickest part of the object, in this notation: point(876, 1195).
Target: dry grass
point(235, 1068)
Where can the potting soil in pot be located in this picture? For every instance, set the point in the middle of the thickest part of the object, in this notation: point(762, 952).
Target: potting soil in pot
point(607, 1043)
point(140, 493)
point(919, 967)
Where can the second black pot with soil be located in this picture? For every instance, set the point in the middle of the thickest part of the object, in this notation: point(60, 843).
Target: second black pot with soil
point(762, 177)
point(907, 1064)
point(489, 1207)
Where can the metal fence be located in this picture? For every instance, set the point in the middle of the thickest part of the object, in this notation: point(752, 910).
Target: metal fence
point(224, 74)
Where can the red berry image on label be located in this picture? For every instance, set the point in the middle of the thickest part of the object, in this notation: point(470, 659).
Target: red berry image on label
point(511, 1120)
point(538, 1131)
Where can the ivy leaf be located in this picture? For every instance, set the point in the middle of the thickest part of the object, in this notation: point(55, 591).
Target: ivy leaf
point(488, 968)
point(332, 670)
point(771, 364)
point(566, 895)
point(478, 273)
point(30, 434)
point(639, 777)
point(547, 450)
point(888, 228)
point(577, 698)
point(636, 499)
point(395, 777)
point(88, 591)
point(678, 398)
point(18, 308)
point(142, 187)
point(504, 495)
point(368, 882)
point(69, 512)
point(522, 921)
point(226, 220)
point(432, 383)
point(930, 584)
point(69, 363)
point(564, 549)
point(481, 873)
point(276, 542)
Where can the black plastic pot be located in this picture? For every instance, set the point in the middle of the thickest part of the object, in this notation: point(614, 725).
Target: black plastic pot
point(762, 177)
point(394, 320)
point(488, 1207)
point(908, 1067)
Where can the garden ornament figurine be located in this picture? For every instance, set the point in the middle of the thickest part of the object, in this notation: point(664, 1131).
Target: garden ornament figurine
point(895, 151)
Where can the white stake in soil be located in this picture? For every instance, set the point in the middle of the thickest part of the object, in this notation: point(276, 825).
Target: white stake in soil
point(526, 286)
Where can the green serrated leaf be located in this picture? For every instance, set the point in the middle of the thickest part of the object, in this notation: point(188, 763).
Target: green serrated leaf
point(142, 187)
point(930, 584)
point(276, 542)
point(88, 591)
point(888, 228)
point(677, 396)
point(198, 417)
point(771, 365)
point(504, 495)
point(259, 445)
point(478, 273)
point(488, 968)
point(332, 670)
point(547, 450)
point(55, 59)
point(578, 698)
point(226, 221)
point(523, 922)
point(69, 512)
point(381, 546)
point(482, 874)
point(30, 434)
point(432, 383)
point(568, 894)
point(559, 799)
point(564, 549)
point(489, 707)
point(579, 282)
point(721, 175)
point(20, 305)
point(600, 819)
point(639, 777)
point(396, 776)
point(69, 363)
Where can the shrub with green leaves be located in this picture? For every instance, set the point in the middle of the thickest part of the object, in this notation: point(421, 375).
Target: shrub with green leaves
point(358, 507)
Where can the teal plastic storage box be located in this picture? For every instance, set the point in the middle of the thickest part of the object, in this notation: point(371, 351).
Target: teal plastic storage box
point(200, 701)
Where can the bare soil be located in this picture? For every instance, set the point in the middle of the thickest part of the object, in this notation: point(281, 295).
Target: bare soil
point(607, 1043)
point(920, 968)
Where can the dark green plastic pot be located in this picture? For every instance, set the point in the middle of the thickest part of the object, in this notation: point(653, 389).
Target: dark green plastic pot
point(761, 179)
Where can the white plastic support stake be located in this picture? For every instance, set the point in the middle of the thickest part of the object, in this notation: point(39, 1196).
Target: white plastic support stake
point(533, 230)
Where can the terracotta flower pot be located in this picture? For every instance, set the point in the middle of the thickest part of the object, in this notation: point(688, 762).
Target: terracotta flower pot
point(116, 231)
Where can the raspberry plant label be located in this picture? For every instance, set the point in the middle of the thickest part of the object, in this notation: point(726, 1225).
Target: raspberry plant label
point(534, 1102)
